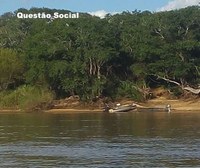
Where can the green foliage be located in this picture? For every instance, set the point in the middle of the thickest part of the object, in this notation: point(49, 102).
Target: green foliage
point(32, 97)
point(11, 68)
point(92, 57)
point(8, 99)
point(128, 89)
point(26, 98)
point(177, 92)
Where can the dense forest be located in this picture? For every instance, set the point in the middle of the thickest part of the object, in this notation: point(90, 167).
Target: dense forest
point(122, 55)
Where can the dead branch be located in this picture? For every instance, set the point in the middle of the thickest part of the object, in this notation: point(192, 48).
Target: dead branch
point(188, 88)
point(168, 80)
point(192, 90)
point(158, 31)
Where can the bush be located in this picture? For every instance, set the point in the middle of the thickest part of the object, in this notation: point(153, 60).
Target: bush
point(127, 90)
point(8, 99)
point(27, 98)
point(177, 91)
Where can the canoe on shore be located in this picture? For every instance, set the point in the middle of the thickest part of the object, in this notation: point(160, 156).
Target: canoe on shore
point(120, 108)
point(135, 107)
point(167, 108)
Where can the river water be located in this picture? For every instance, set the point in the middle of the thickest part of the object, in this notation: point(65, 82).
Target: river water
point(99, 140)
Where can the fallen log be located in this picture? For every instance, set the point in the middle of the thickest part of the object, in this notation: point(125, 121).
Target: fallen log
point(188, 88)
point(192, 90)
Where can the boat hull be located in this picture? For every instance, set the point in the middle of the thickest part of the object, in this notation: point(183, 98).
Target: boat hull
point(153, 109)
point(122, 109)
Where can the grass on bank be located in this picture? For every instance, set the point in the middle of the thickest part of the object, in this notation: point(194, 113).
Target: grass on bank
point(26, 97)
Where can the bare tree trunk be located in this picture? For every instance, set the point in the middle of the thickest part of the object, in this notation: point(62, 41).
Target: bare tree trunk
point(168, 80)
point(188, 88)
point(90, 66)
point(181, 56)
point(158, 31)
point(192, 90)
point(94, 68)
point(98, 72)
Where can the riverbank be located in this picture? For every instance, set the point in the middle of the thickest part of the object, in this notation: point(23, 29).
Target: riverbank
point(10, 111)
point(177, 105)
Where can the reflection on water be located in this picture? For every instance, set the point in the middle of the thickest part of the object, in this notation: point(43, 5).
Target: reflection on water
point(100, 140)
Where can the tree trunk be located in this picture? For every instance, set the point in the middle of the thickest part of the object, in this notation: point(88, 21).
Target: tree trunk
point(168, 80)
point(192, 90)
point(90, 66)
point(98, 72)
point(188, 88)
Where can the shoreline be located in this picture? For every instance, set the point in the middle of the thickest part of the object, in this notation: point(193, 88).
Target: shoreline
point(76, 111)
point(177, 106)
point(73, 111)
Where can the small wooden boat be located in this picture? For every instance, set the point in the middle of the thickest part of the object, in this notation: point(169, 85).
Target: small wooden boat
point(120, 108)
point(167, 108)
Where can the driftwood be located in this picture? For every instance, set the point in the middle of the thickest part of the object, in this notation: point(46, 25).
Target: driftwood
point(192, 90)
point(188, 88)
point(168, 80)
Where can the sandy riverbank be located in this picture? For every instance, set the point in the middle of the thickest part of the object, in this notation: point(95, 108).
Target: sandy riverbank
point(75, 110)
point(177, 105)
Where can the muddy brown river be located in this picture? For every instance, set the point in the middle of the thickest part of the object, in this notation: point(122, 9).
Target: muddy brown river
point(99, 140)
